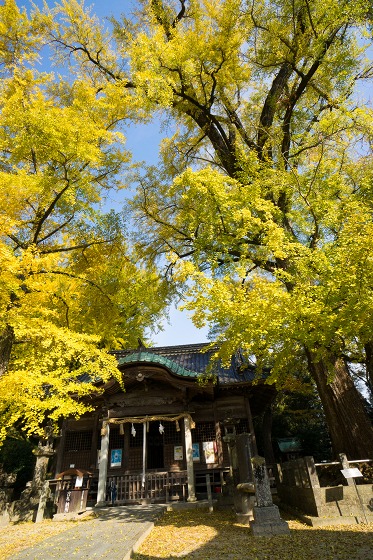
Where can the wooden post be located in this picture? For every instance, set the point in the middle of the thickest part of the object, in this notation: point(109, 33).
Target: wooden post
point(219, 443)
point(127, 451)
point(104, 459)
point(93, 459)
point(145, 429)
point(189, 461)
point(254, 449)
point(61, 448)
point(209, 495)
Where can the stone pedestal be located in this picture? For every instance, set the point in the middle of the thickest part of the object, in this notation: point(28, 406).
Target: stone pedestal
point(267, 520)
point(244, 511)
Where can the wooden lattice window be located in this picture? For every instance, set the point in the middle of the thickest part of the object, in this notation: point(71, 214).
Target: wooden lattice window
point(116, 440)
point(137, 440)
point(204, 431)
point(78, 441)
point(171, 435)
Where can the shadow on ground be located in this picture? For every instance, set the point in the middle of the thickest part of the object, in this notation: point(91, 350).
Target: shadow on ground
point(129, 513)
point(217, 536)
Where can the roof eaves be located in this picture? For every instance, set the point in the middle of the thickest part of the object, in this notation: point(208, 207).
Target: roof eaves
point(149, 357)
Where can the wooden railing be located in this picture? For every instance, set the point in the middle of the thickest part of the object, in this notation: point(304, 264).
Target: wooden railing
point(157, 487)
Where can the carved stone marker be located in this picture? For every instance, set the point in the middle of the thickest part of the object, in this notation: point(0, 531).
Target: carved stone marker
point(267, 520)
point(246, 491)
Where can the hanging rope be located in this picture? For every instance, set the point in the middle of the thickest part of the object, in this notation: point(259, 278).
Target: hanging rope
point(144, 419)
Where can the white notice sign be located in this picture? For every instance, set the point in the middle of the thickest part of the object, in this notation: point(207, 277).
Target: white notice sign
point(351, 473)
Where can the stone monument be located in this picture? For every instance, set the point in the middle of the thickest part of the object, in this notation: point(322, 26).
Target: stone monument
point(267, 520)
point(245, 488)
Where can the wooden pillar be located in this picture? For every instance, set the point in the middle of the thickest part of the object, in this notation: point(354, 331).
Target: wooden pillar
point(127, 450)
point(219, 443)
point(104, 459)
point(189, 461)
point(93, 459)
point(254, 449)
point(144, 453)
point(61, 448)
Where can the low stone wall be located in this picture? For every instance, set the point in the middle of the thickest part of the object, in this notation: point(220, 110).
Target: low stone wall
point(298, 486)
point(299, 498)
point(6, 494)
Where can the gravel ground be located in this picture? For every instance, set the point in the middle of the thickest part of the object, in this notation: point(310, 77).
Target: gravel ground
point(198, 535)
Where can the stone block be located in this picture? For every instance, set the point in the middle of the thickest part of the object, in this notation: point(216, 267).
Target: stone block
point(270, 530)
point(4, 519)
point(244, 518)
point(267, 522)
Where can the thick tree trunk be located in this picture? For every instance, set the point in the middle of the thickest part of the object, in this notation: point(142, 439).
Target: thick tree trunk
point(6, 345)
point(349, 425)
point(369, 364)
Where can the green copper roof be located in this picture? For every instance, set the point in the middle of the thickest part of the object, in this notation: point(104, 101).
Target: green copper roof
point(288, 445)
point(149, 357)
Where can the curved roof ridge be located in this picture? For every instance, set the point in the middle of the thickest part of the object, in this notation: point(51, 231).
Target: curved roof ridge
point(150, 357)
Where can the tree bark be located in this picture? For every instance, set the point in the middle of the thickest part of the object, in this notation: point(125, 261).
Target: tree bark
point(369, 364)
point(349, 425)
point(6, 344)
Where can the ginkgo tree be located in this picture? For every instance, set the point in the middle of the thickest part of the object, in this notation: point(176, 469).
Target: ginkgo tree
point(263, 202)
point(69, 288)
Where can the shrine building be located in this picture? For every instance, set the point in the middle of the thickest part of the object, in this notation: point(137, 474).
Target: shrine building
point(158, 438)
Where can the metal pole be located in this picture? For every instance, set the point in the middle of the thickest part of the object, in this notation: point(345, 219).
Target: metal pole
point(361, 502)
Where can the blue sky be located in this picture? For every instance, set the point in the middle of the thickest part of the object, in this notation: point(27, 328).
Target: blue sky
point(143, 142)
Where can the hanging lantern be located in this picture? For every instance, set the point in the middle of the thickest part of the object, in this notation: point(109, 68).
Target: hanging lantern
point(133, 431)
point(161, 429)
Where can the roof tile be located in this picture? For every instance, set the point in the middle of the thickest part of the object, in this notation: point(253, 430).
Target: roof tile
point(189, 360)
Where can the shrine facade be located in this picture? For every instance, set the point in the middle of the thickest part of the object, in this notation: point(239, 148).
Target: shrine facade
point(157, 436)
